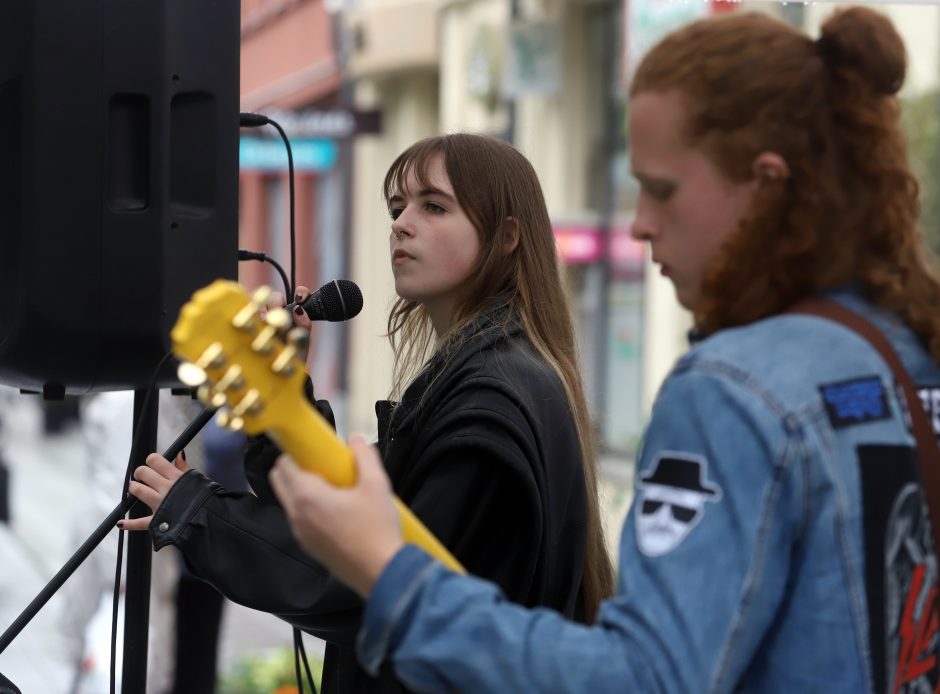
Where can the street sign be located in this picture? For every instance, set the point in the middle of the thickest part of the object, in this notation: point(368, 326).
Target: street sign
point(262, 154)
point(337, 123)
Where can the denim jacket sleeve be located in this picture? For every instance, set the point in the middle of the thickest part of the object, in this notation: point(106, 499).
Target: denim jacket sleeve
point(704, 563)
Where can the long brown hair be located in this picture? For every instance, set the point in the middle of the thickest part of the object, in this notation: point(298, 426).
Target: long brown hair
point(500, 193)
point(848, 210)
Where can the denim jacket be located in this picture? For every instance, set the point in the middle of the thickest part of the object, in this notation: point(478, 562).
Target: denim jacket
point(779, 541)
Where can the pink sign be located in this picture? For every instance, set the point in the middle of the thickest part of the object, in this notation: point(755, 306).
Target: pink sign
point(580, 244)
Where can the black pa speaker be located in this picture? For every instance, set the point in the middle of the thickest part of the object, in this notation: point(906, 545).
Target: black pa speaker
point(118, 182)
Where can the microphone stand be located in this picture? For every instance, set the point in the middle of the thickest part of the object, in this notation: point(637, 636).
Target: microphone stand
point(137, 592)
point(139, 556)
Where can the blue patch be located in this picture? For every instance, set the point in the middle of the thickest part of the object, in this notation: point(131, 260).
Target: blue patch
point(930, 397)
point(855, 402)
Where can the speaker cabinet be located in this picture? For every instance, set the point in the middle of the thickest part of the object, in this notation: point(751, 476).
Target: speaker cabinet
point(118, 182)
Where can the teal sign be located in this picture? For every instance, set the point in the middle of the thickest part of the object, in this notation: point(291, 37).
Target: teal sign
point(262, 154)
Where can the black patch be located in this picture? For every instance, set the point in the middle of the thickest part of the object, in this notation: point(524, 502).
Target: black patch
point(930, 398)
point(855, 402)
point(682, 471)
point(899, 562)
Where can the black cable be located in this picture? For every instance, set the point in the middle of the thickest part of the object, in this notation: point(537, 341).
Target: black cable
point(299, 640)
point(152, 386)
point(293, 238)
point(115, 605)
point(255, 120)
point(258, 255)
point(300, 682)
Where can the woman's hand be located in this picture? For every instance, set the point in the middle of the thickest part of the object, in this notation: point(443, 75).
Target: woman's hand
point(299, 316)
point(151, 483)
point(355, 530)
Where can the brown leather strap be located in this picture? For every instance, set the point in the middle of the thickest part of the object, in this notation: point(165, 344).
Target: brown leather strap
point(928, 452)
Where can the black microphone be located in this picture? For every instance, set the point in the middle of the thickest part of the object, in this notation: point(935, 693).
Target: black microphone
point(335, 301)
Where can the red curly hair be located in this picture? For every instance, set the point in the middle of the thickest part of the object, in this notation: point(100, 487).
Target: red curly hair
point(848, 210)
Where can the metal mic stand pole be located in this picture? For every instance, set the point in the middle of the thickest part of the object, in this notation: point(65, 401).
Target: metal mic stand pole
point(99, 534)
point(139, 555)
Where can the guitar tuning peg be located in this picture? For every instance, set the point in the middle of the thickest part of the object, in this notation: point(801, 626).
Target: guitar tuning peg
point(247, 318)
point(212, 358)
point(232, 380)
point(283, 365)
point(250, 404)
point(264, 342)
point(204, 394)
point(191, 375)
point(210, 396)
point(279, 318)
point(298, 338)
point(261, 295)
point(227, 420)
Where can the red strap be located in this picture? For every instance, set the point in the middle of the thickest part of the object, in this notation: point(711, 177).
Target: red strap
point(928, 452)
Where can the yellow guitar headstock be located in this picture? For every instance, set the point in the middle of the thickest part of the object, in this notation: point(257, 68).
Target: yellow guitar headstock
point(246, 366)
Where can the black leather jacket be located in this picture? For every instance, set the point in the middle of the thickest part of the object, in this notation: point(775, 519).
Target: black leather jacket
point(484, 450)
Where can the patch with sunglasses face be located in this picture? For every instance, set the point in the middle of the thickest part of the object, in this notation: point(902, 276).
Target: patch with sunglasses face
point(672, 501)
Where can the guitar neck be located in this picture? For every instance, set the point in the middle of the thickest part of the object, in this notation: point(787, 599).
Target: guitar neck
point(310, 440)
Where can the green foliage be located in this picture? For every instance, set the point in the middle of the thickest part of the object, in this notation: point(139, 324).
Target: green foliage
point(920, 117)
point(271, 672)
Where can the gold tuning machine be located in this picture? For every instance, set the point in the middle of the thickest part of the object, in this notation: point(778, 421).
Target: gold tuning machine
point(250, 404)
point(227, 420)
point(247, 318)
point(261, 295)
point(299, 338)
point(282, 365)
point(279, 319)
point(211, 396)
point(264, 342)
point(232, 380)
point(212, 358)
point(191, 375)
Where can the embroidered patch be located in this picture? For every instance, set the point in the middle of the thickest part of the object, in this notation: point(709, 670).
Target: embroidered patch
point(930, 397)
point(855, 402)
point(900, 571)
point(672, 501)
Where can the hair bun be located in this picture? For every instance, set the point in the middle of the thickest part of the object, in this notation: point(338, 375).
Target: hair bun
point(865, 41)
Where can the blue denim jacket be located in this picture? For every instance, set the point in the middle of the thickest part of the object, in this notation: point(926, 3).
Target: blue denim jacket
point(778, 541)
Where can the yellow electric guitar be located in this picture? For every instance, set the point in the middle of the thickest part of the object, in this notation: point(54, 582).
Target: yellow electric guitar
point(250, 370)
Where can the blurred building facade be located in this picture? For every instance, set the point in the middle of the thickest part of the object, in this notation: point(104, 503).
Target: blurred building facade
point(548, 76)
point(291, 72)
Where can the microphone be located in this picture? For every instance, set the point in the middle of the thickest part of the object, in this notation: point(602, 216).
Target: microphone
point(335, 301)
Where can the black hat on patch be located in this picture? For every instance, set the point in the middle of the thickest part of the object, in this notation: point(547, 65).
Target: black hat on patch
point(681, 473)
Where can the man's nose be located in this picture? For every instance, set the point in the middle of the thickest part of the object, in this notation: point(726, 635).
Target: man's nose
point(643, 227)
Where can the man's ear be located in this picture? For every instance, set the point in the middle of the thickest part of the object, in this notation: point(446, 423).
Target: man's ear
point(770, 167)
point(512, 237)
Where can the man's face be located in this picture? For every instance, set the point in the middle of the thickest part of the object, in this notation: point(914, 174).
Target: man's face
point(686, 208)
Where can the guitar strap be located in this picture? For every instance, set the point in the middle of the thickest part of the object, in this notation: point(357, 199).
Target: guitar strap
point(928, 452)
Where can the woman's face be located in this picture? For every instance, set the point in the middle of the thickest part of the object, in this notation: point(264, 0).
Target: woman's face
point(686, 208)
point(433, 243)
